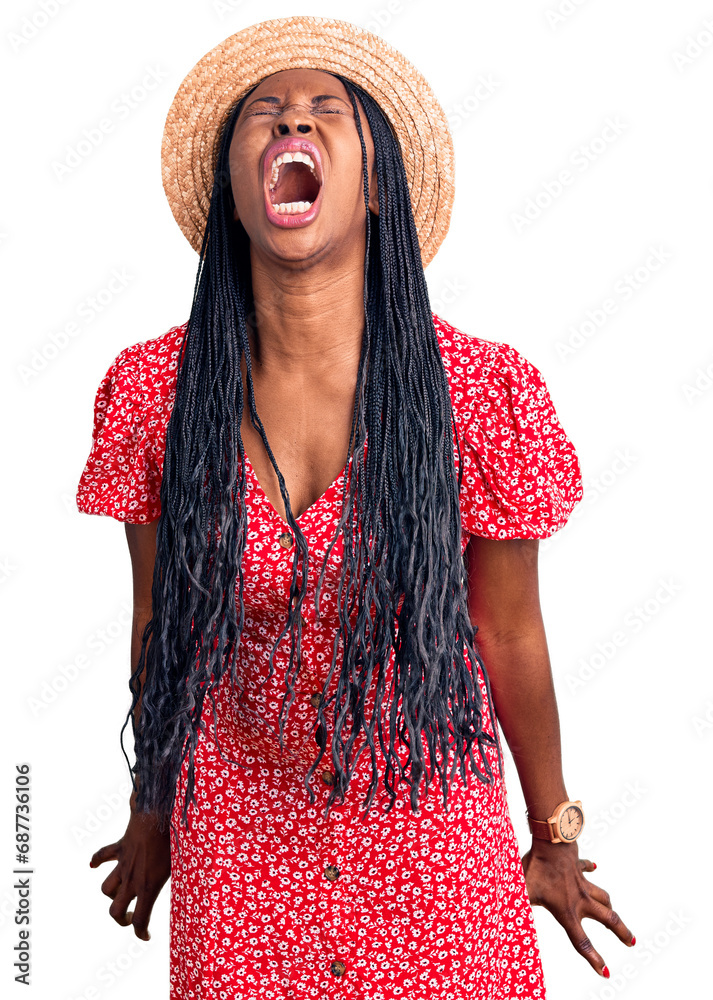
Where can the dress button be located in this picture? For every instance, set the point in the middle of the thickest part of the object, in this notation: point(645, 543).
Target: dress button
point(331, 872)
point(315, 699)
point(338, 968)
point(285, 539)
point(327, 777)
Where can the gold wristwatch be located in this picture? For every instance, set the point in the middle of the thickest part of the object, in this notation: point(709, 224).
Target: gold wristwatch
point(562, 827)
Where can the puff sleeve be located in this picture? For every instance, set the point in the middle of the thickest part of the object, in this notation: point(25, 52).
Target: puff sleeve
point(121, 478)
point(521, 474)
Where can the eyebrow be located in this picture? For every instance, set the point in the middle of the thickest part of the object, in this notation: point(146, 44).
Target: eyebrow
point(319, 99)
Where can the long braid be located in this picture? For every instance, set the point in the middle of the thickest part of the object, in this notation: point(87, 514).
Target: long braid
point(402, 590)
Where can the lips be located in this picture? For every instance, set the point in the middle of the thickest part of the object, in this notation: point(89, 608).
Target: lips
point(293, 186)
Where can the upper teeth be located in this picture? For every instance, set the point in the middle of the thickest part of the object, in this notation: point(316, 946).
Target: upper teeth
point(297, 157)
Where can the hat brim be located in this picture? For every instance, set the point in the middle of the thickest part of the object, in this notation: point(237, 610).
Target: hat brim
point(218, 81)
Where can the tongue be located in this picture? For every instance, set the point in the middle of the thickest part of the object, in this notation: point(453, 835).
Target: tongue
point(295, 183)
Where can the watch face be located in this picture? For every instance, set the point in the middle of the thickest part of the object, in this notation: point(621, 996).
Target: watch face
point(570, 823)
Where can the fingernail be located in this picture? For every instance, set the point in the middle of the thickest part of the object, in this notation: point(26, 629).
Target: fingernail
point(633, 941)
point(605, 972)
point(594, 864)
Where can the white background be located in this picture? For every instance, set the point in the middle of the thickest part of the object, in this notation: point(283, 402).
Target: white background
point(632, 393)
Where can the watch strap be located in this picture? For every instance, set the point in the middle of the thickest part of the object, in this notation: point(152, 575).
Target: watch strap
point(541, 828)
point(546, 829)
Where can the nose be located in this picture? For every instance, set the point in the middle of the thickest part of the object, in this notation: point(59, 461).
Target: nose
point(294, 118)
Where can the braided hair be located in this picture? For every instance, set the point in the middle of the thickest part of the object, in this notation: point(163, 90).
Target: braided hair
point(403, 588)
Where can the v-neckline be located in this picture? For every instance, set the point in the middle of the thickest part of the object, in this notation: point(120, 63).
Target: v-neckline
point(262, 496)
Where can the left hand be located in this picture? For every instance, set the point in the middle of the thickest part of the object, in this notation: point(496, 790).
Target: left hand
point(554, 879)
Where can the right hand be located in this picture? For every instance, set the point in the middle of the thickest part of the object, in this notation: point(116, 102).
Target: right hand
point(144, 866)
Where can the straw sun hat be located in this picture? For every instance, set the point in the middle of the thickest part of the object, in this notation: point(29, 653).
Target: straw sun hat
point(228, 71)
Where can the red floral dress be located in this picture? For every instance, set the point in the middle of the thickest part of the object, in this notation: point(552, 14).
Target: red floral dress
point(269, 899)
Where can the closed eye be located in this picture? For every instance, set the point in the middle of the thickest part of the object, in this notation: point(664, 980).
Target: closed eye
point(316, 111)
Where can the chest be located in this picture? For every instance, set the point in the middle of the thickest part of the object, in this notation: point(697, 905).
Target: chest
point(270, 548)
point(309, 439)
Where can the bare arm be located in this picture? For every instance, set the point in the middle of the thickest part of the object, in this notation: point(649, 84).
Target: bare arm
point(141, 539)
point(504, 602)
point(143, 854)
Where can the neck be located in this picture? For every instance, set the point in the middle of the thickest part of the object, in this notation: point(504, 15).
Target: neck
point(308, 321)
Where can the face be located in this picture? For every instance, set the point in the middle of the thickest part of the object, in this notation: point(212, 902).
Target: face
point(311, 202)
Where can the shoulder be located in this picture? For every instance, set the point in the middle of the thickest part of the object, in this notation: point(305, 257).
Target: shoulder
point(136, 394)
point(479, 370)
point(122, 475)
point(152, 365)
point(521, 472)
point(461, 350)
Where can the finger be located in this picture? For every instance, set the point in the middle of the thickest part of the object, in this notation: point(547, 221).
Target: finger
point(597, 893)
point(605, 915)
point(586, 865)
point(575, 932)
point(120, 906)
point(142, 913)
point(108, 853)
point(110, 885)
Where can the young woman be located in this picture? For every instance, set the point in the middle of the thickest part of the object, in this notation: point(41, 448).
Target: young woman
point(327, 491)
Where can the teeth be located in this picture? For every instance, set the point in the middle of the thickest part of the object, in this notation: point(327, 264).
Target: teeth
point(298, 156)
point(292, 207)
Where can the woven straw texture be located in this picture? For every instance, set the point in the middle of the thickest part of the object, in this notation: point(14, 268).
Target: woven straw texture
point(218, 81)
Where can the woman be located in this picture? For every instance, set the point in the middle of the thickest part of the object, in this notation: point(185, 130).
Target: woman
point(310, 569)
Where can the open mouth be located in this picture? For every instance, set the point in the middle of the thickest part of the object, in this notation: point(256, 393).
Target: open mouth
point(294, 184)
